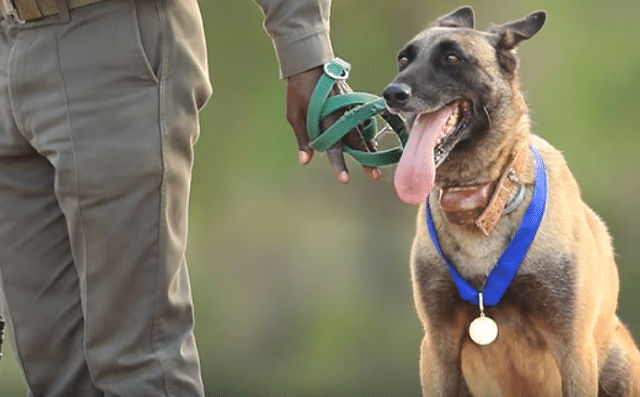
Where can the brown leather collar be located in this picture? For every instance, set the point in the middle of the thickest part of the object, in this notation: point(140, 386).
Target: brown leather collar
point(482, 205)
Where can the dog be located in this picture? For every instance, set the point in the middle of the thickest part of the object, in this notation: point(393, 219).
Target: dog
point(478, 172)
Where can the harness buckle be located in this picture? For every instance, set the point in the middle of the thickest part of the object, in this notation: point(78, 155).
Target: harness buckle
point(338, 69)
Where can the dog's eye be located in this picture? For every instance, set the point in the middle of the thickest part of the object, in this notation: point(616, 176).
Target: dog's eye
point(452, 59)
point(402, 61)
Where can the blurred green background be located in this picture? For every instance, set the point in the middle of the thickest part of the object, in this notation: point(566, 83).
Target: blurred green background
point(301, 285)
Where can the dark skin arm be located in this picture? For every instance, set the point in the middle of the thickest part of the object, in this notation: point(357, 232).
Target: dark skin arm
point(299, 90)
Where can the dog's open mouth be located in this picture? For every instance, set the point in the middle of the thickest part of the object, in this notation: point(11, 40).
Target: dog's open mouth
point(432, 137)
point(452, 131)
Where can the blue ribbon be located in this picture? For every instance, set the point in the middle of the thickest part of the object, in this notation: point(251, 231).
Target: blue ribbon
point(503, 273)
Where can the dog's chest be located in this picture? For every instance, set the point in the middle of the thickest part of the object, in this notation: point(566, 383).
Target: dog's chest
point(538, 303)
point(519, 363)
point(543, 290)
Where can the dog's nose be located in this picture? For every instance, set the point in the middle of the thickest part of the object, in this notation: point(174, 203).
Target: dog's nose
point(397, 95)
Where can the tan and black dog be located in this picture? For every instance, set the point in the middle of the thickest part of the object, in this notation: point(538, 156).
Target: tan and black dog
point(469, 156)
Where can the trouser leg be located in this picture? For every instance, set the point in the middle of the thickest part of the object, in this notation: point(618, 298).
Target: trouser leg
point(123, 184)
point(40, 291)
point(118, 129)
point(38, 280)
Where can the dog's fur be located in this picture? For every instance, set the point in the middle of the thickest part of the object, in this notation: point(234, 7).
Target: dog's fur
point(558, 330)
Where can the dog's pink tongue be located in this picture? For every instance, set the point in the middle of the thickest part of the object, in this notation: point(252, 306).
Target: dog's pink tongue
point(415, 174)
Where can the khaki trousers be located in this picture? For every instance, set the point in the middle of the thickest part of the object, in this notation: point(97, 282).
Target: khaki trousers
point(98, 118)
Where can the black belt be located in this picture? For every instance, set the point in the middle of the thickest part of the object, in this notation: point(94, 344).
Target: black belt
point(32, 10)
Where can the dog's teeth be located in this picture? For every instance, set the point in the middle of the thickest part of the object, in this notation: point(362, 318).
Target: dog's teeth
point(451, 121)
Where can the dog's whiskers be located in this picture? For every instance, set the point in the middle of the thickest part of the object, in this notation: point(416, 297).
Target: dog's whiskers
point(486, 111)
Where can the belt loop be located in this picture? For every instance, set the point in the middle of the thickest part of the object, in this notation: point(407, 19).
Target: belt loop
point(63, 11)
point(10, 12)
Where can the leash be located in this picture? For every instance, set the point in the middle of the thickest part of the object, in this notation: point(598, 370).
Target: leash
point(361, 111)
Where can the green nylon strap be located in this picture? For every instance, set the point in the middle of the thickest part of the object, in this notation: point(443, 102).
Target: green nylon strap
point(338, 102)
point(361, 109)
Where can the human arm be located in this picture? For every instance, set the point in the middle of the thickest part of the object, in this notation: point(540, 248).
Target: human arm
point(299, 30)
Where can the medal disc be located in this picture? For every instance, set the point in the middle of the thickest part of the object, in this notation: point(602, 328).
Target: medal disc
point(483, 330)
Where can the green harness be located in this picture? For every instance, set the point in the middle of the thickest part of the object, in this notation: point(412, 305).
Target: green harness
point(362, 109)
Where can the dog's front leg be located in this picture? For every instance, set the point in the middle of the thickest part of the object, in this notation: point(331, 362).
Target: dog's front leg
point(579, 370)
point(440, 372)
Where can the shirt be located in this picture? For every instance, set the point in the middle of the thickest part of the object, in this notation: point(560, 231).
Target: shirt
point(299, 30)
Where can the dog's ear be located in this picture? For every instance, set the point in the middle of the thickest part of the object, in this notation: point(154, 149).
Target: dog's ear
point(460, 18)
point(507, 37)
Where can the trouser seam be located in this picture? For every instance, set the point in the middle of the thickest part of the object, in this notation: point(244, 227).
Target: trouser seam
point(82, 276)
point(160, 272)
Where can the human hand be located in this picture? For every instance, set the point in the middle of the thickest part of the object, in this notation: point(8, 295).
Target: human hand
point(299, 90)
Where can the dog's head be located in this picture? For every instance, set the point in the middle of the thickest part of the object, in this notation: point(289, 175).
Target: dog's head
point(458, 88)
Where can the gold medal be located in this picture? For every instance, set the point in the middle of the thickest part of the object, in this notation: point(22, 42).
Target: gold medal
point(483, 330)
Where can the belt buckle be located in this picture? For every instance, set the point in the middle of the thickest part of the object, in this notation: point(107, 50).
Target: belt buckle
point(11, 12)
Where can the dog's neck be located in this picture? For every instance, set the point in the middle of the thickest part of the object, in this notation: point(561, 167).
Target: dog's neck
point(482, 205)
